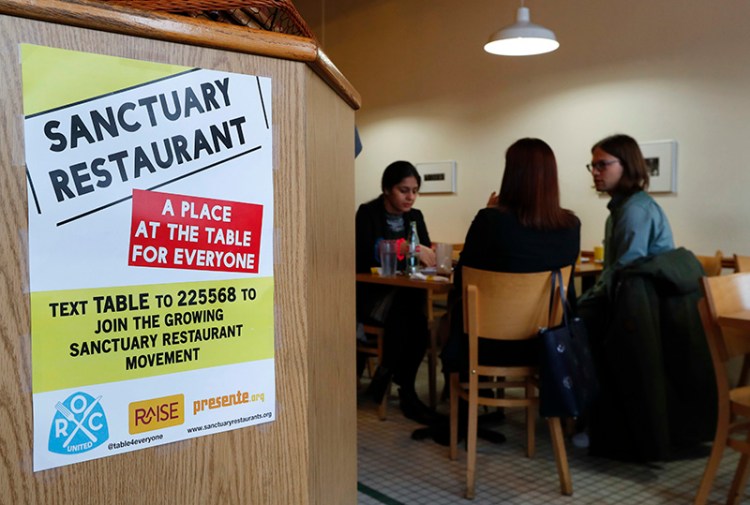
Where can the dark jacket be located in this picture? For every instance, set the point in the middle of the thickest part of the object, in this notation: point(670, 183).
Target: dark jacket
point(371, 227)
point(657, 386)
point(497, 241)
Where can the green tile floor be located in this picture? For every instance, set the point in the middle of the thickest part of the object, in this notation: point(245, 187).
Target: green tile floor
point(394, 470)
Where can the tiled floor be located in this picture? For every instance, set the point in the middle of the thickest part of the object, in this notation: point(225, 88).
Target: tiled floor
point(394, 470)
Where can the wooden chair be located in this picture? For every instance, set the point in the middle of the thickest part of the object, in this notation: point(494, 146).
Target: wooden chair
point(724, 295)
point(711, 264)
point(432, 352)
point(376, 351)
point(741, 263)
point(437, 304)
point(504, 306)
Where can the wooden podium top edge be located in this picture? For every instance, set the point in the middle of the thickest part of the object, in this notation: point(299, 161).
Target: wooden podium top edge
point(185, 30)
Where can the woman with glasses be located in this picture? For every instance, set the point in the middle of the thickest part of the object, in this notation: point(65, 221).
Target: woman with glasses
point(636, 227)
point(645, 334)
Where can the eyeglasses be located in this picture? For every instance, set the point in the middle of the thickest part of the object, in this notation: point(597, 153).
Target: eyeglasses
point(600, 165)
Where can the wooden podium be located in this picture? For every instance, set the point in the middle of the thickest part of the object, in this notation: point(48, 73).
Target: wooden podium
point(306, 456)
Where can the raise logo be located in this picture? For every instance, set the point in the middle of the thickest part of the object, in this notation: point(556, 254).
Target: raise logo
point(79, 425)
point(155, 414)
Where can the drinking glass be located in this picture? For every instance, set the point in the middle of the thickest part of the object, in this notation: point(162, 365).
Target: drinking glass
point(598, 253)
point(444, 258)
point(388, 257)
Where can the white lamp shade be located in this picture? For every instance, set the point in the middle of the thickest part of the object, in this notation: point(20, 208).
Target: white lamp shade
point(522, 38)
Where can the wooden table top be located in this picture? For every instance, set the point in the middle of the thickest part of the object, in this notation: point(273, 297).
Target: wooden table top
point(581, 270)
point(406, 282)
point(588, 268)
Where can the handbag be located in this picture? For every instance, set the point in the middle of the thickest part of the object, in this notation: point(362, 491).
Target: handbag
point(567, 379)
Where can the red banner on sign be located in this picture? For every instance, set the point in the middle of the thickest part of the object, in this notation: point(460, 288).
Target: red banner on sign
point(194, 233)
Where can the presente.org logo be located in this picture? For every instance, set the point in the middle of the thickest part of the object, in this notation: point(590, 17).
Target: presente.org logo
point(217, 402)
point(156, 414)
point(79, 425)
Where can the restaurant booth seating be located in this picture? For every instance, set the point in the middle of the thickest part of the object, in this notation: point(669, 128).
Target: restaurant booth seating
point(724, 295)
point(657, 397)
point(505, 306)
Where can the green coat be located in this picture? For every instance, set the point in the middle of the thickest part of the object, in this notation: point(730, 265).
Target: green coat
point(658, 390)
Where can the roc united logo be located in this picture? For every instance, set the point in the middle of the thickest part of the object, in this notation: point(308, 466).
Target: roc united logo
point(79, 425)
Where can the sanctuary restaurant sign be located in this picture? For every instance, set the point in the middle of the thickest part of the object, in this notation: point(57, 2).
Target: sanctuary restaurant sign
point(150, 252)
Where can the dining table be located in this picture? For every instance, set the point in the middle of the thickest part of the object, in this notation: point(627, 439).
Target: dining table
point(441, 285)
point(405, 281)
point(434, 285)
point(588, 268)
point(588, 271)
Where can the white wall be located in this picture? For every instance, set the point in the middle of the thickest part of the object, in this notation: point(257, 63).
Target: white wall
point(655, 70)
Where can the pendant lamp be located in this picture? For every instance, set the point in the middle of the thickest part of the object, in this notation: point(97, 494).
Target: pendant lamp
point(523, 38)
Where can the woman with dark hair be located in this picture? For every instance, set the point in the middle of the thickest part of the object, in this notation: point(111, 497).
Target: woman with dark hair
point(524, 230)
point(388, 216)
point(636, 227)
point(401, 311)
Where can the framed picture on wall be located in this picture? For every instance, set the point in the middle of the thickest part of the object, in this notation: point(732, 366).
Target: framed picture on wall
point(437, 176)
point(661, 158)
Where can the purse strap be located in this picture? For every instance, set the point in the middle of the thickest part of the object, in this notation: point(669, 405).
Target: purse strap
point(557, 283)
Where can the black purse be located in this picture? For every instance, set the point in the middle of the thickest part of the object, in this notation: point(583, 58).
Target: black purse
point(567, 379)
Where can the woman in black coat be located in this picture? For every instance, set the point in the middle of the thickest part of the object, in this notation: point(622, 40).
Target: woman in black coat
point(401, 311)
point(522, 230)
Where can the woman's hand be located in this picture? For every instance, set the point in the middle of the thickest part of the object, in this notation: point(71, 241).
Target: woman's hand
point(403, 248)
point(427, 256)
point(494, 200)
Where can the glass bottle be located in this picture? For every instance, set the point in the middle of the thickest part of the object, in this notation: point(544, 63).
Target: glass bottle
point(412, 258)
